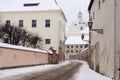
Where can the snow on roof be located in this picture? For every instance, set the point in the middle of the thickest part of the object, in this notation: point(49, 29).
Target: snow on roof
point(18, 5)
point(23, 48)
point(75, 40)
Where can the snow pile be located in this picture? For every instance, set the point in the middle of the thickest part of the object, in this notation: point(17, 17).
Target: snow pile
point(23, 48)
point(18, 71)
point(85, 73)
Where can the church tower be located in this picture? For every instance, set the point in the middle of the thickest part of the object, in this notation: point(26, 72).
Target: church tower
point(80, 16)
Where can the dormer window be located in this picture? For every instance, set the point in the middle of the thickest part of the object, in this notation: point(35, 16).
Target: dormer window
point(30, 4)
point(81, 28)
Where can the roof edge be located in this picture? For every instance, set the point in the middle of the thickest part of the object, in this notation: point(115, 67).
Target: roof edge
point(90, 5)
point(64, 15)
point(61, 10)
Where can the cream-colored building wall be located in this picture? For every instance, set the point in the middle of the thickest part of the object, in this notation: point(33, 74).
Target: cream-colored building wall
point(51, 32)
point(74, 30)
point(103, 18)
point(61, 29)
point(76, 50)
point(117, 39)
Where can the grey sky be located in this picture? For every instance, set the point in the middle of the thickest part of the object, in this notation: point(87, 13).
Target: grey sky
point(72, 7)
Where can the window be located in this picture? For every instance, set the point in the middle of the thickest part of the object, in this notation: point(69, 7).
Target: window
point(76, 51)
point(67, 50)
point(67, 46)
point(76, 46)
point(20, 23)
point(47, 41)
point(86, 45)
point(71, 51)
point(7, 22)
point(81, 28)
point(47, 23)
point(99, 4)
point(71, 46)
point(34, 22)
point(81, 46)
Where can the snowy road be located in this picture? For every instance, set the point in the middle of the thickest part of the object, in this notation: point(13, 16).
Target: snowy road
point(68, 70)
point(64, 72)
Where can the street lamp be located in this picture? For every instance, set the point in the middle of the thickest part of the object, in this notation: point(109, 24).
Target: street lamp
point(100, 31)
point(90, 24)
point(82, 37)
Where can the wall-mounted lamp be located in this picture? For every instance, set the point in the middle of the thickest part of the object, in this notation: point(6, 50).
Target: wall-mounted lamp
point(100, 31)
point(82, 37)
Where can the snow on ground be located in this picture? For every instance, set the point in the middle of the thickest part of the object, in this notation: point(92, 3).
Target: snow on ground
point(18, 71)
point(5, 45)
point(85, 73)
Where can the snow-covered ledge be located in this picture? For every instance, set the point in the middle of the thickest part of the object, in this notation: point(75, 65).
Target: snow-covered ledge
point(4, 45)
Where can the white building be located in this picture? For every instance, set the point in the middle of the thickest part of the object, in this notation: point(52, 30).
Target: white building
point(105, 45)
point(40, 17)
point(74, 44)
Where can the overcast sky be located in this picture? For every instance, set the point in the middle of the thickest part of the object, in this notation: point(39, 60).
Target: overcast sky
point(72, 7)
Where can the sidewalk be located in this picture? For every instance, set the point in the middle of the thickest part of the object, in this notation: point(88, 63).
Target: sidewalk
point(85, 73)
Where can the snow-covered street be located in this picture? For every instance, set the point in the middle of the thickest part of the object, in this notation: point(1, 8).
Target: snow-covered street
point(82, 73)
point(85, 73)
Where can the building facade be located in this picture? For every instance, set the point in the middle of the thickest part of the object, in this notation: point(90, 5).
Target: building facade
point(104, 47)
point(40, 17)
point(74, 43)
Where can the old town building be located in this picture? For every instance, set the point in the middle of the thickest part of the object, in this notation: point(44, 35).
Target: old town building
point(74, 43)
point(105, 39)
point(40, 17)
